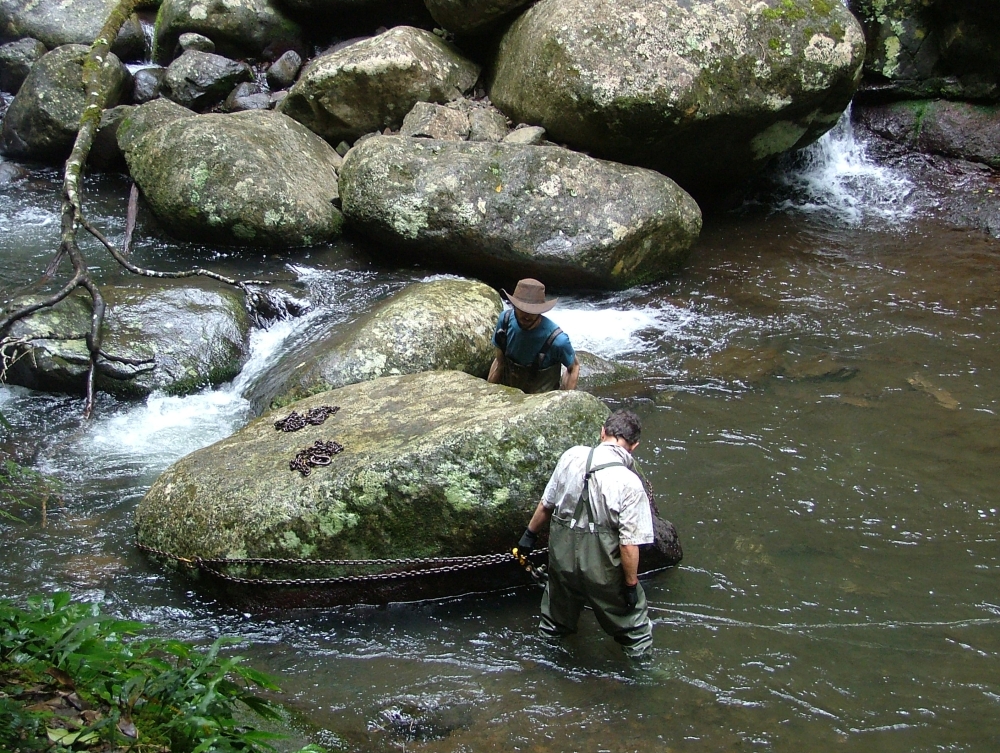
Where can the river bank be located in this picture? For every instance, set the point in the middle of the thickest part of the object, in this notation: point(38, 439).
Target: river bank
point(819, 404)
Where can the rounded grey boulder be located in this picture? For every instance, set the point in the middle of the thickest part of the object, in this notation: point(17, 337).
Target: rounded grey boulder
point(706, 92)
point(372, 84)
point(16, 59)
point(438, 325)
point(60, 22)
point(238, 28)
point(537, 211)
point(254, 178)
point(434, 464)
point(43, 119)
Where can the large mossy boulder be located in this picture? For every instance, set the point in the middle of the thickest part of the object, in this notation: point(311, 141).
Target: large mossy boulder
point(507, 209)
point(169, 337)
point(706, 92)
point(59, 22)
point(932, 48)
point(955, 129)
point(42, 121)
point(239, 28)
point(437, 325)
point(434, 464)
point(253, 178)
point(144, 118)
point(372, 84)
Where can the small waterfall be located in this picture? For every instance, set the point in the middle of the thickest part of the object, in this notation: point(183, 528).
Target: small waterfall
point(140, 440)
point(836, 176)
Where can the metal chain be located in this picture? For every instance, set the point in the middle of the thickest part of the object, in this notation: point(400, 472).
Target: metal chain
point(445, 565)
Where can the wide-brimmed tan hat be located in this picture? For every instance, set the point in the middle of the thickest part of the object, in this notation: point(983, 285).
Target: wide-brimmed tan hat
point(529, 297)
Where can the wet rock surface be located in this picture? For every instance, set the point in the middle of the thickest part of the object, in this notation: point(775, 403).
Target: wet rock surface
point(175, 338)
point(60, 22)
point(706, 94)
point(205, 179)
point(434, 464)
point(545, 212)
point(16, 59)
point(42, 121)
point(438, 325)
point(372, 84)
point(198, 80)
point(237, 28)
point(955, 129)
point(919, 49)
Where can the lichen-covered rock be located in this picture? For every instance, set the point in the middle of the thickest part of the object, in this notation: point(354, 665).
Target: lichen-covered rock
point(438, 325)
point(545, 212)
point(60, 22)
point(16, 59)
point(43, 119)
point(372, 84)
point(597, 372)
point(432, 121)
point(239, 28)
point(105, 153)
point(955, 129)
point(198, 80)
point(939, 48)
point(470, 16)
point(146, 84)
point(187, 336)
point(144, 118)
point(254, 178)
point(705, 92)
point(434, 464)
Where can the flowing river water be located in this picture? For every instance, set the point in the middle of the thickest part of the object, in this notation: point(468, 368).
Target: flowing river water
point(820, 397)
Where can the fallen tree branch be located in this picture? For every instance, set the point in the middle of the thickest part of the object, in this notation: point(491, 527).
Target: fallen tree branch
point(72, 217)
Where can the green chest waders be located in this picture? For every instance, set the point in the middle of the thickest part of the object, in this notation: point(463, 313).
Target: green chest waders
point(585, 567)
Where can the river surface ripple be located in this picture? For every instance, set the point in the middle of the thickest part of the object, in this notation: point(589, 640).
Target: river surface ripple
point(820, 400)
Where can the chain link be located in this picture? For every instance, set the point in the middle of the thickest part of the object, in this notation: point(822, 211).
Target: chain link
point(421, 566)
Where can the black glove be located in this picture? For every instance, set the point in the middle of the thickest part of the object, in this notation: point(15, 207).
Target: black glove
point(631, 594)
point(527, 542)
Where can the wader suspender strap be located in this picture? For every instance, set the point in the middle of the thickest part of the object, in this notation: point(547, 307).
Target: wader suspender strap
point(502, 332)
point(585, 494)
point(545, 350)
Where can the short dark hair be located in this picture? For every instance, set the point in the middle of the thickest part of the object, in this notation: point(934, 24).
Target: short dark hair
point(623, 424)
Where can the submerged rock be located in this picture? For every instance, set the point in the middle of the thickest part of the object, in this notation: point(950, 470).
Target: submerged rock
point(438, 325)
point(42, 121)
point(180, 338)
point(707, 93)
point(254, 178)
point(372, 84)
point(543, 212)
point(434, 464)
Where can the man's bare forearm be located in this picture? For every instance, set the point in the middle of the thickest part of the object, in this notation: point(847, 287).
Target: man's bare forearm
point(496, 368)
point(539, 519)
point(630, 563)
point(571, 376)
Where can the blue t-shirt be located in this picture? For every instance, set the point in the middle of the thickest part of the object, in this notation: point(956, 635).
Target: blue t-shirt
point(524, 345)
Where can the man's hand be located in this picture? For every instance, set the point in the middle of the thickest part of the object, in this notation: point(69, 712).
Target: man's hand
point(631, 594)
point(527, 542)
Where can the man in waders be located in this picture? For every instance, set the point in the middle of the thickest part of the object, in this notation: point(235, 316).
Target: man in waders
point(531, 349)
point(599, 515)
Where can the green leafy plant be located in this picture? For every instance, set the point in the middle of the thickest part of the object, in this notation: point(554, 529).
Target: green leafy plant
point(123, 691)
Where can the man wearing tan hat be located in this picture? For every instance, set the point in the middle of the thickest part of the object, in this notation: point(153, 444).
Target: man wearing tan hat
point(531, 349)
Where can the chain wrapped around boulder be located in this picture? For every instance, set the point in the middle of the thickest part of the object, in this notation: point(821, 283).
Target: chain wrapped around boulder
point(319, 453)
point(314, 416)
